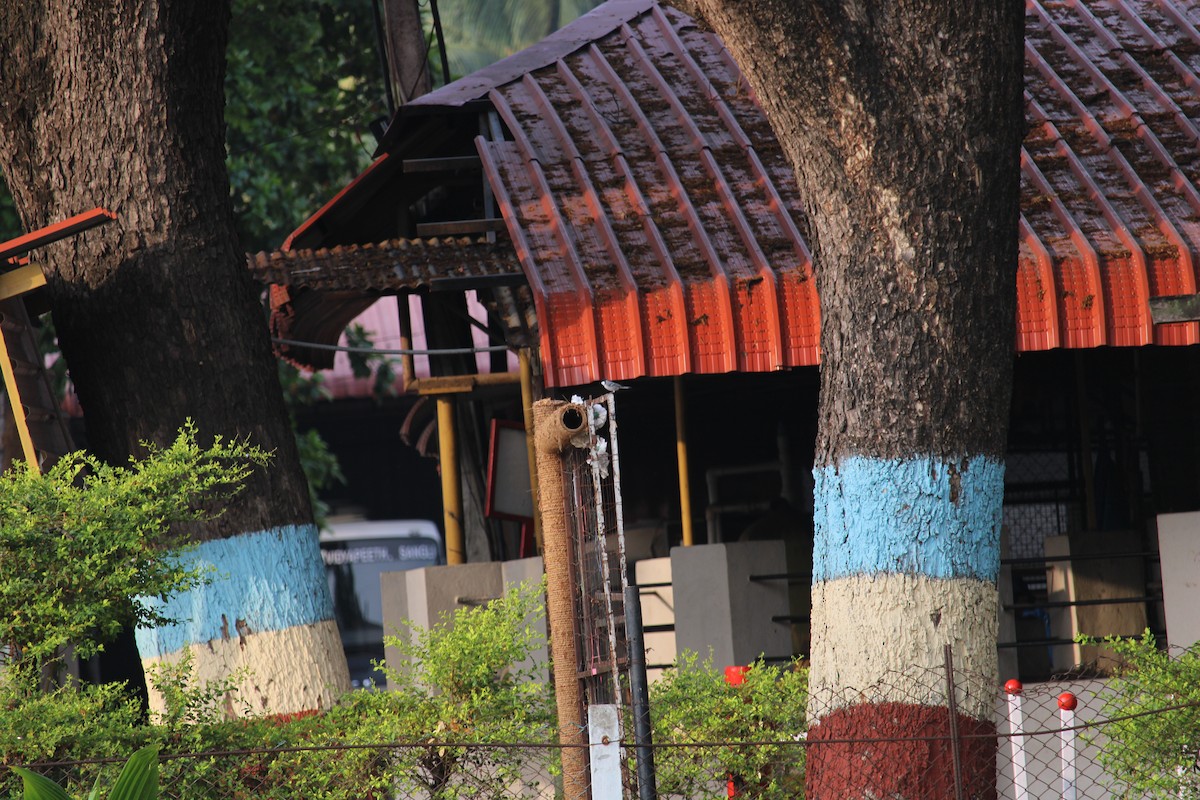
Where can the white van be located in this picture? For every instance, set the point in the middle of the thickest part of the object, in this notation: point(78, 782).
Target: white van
point(356, 552)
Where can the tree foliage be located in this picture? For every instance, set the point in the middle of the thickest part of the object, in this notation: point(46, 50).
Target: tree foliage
point(82, 543)
point(302, 85)
point(480, 32)
point(693, 703)
point(1151, 750)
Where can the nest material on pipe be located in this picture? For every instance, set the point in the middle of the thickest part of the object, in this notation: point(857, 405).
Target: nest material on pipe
point(560, 424)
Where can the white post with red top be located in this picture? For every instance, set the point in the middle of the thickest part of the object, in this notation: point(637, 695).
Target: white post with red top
point(1016, 723)
point(1066, 710)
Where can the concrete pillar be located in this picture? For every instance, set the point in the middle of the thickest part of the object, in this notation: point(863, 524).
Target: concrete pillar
point(719, 609)
point(658, 612)
point(423, 597)
point(1179, 548)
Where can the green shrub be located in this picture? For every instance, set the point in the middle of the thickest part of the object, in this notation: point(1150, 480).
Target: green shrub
point(692, 703)
point(448, 712)
point(80, 544)
point(462, 685)
point(461, 689)
point(66, 723)
point(1154, 755)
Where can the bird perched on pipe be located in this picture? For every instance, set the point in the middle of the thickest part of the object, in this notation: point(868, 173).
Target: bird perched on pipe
point(613, 386)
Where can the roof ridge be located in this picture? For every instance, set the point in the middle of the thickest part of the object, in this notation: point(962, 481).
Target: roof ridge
point(596, 24)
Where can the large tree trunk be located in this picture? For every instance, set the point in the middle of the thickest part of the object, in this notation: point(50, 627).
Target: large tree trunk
point(407, 51)
point(903, 120)
point(120, 103)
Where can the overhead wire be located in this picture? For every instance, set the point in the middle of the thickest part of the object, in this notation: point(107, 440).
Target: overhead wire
point(448, 351)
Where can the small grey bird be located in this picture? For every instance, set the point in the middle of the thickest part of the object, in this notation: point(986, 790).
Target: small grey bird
point(612, 386)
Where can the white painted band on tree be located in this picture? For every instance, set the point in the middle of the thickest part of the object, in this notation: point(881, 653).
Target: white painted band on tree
point(880, 639)
point(263, 686)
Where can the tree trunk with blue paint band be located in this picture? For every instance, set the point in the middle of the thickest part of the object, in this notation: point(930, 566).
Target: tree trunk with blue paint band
point(903, 121)
point(122, 103)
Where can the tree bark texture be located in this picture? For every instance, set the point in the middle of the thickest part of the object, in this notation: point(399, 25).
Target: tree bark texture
point(120, 103)
point(903, 120)
point(407, 50)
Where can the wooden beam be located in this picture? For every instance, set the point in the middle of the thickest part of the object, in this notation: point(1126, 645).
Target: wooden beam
point(1179, 308)
point(459, 384)
point(459, 227)
point(21, 280)
point(455, 283)
point(448, 164)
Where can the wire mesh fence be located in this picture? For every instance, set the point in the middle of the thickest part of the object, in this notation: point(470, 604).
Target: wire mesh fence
point(1096, 738)
point(435, 770)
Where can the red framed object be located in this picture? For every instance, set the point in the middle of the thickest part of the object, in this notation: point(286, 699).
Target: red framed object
point(508, 492)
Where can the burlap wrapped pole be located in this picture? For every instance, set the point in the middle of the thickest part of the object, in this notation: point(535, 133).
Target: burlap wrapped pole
point(556, 423)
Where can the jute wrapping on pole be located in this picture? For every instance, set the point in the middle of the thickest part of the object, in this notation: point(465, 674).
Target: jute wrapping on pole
point(556, 423)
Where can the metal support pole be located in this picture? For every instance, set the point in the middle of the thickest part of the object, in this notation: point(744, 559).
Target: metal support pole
point(523, 357)
point(451, 482)
point(685, 489)
point(555, 425)
point(952, 709)
point(639, 687)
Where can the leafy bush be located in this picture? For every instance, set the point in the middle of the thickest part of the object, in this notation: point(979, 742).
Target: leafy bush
point(462, 686)
point(67, 723)
point(448, 712)
point(138, 781)
point(1156, 755)
point(693, 703)
point(79, 541)
point(461, 689)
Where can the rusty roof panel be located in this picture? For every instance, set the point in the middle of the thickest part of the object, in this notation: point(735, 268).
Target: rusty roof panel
point(646, 201)
point(660, 201)
point(388, 267)
point(1111, 166)
point(659, 223)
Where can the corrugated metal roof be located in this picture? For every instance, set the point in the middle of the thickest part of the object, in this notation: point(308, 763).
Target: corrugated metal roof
point(390, 267)
point(658, 221)
point(1110, 207)
point(652, 209)
point(317, 293)
point(659, 226)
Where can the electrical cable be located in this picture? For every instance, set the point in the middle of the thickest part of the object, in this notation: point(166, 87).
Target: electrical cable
point(449, 351)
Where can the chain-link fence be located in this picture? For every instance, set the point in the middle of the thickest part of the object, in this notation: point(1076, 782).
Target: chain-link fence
point(443, 770)
point(1096, 738)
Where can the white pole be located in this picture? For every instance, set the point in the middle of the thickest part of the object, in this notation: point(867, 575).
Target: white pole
point(604, 736)
point(1016, 724)
point(1066, 711)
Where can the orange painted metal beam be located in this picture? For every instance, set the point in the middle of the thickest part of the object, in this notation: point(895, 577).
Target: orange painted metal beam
point(52, 233)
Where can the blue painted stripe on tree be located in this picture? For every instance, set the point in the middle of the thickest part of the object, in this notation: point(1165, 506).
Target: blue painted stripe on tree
point(920, 516)
point(263, 581)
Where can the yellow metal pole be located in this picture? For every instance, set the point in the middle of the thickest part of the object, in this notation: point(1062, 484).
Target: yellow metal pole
point(685, 488)
point(451, 482)
point(527, 413)
point(17, 410)
point(21, 280)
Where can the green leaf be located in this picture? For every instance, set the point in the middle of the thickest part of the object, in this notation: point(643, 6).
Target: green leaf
point(139, 778)
point(39, 787)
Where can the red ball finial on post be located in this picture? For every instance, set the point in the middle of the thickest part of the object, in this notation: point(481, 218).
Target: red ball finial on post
point(1067, 701)
point(1013, 686)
